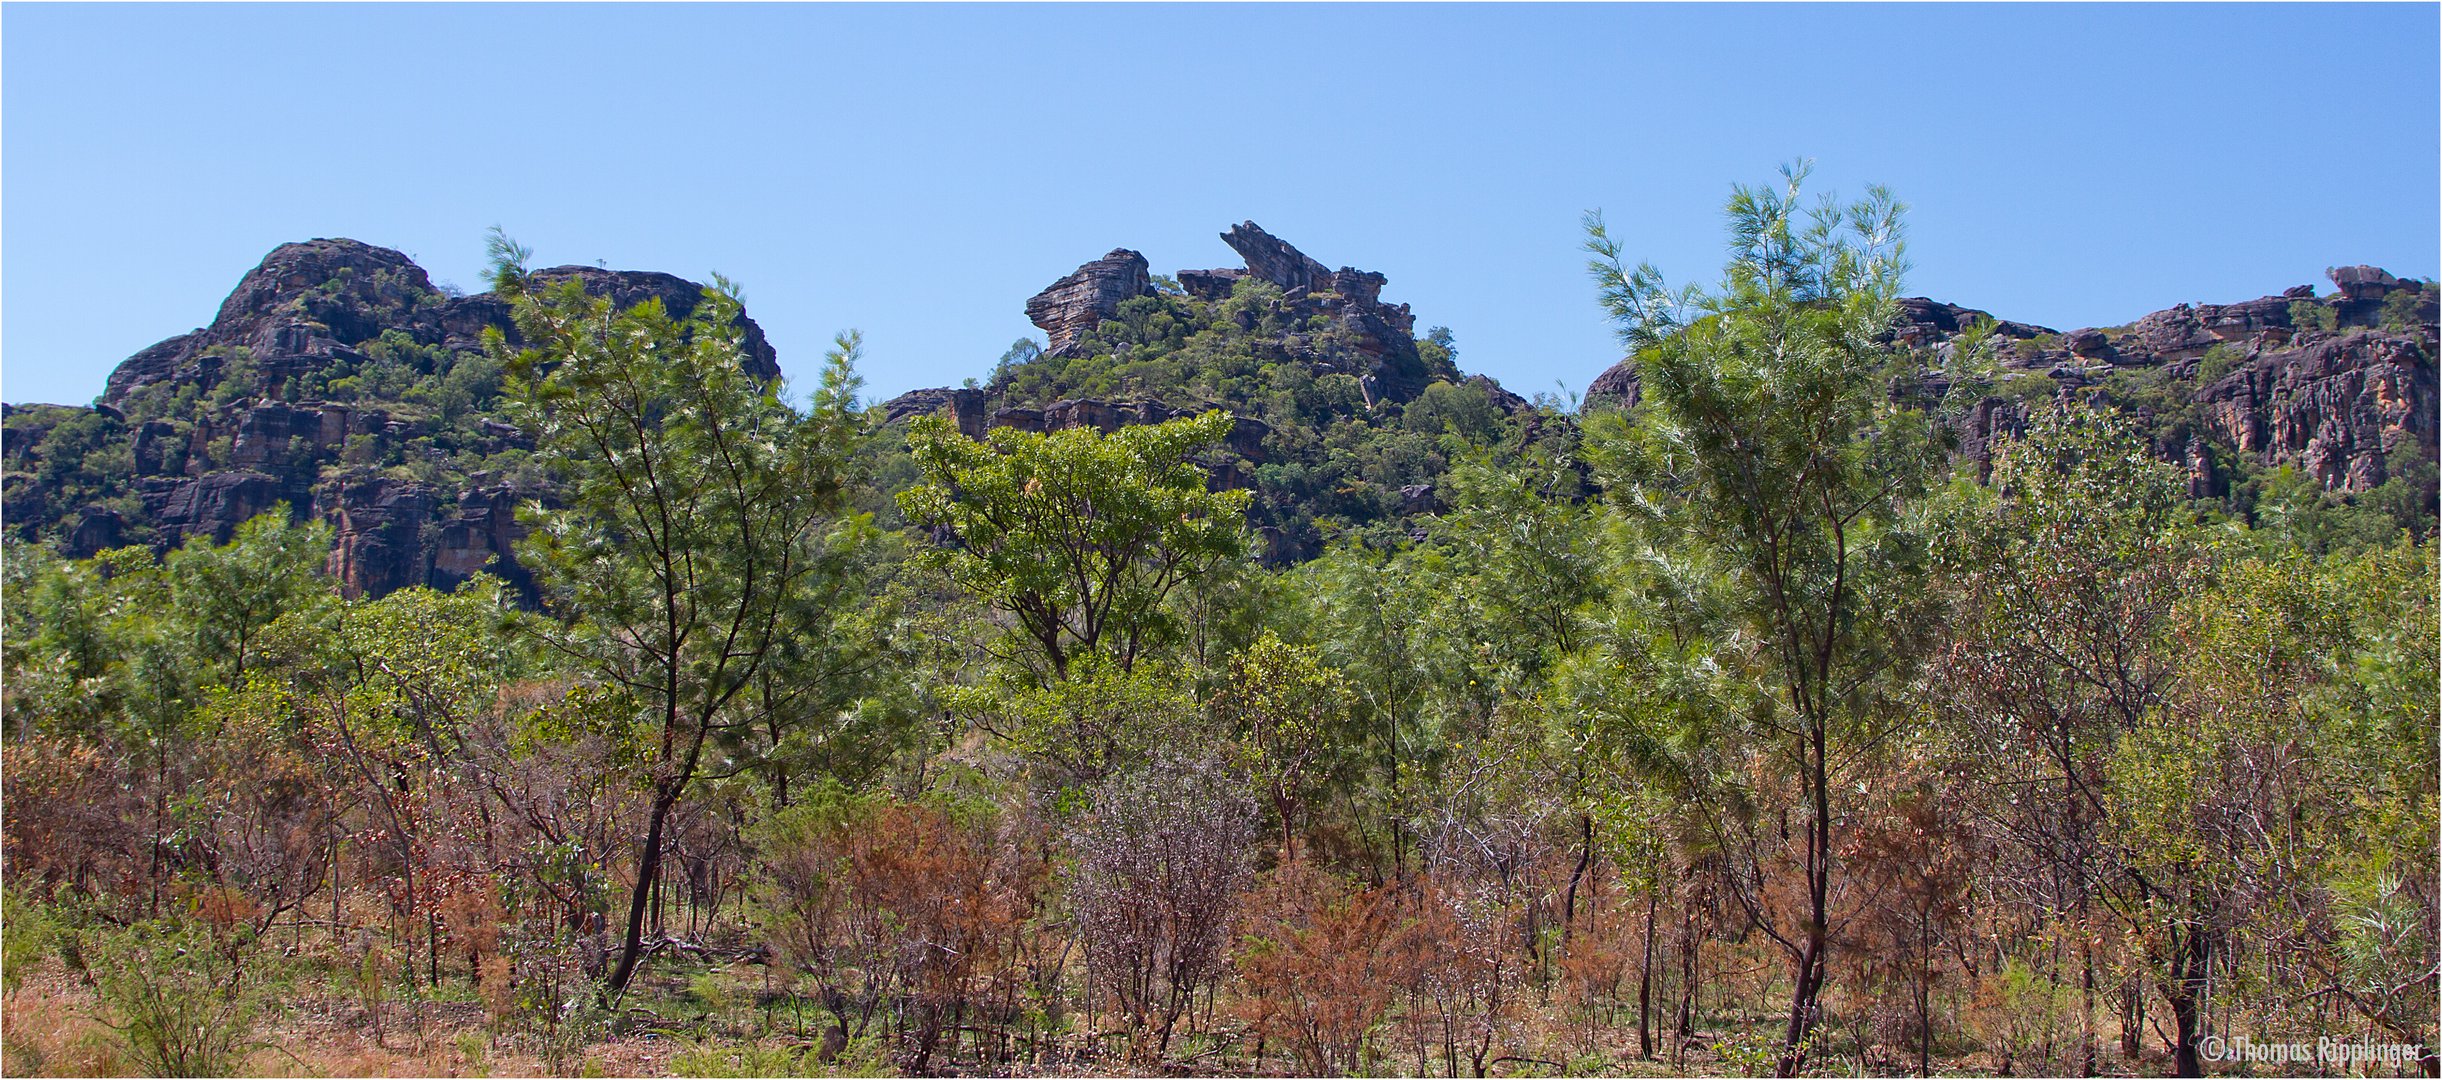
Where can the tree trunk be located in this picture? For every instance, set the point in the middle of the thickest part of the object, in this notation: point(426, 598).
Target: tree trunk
point(1585, 862)
point(1809, 987)
point(2132, 1021)
point(2187, 997)
point(1644, 978)
point(648, 870)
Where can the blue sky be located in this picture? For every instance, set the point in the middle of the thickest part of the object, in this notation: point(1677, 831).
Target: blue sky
point(918, 172)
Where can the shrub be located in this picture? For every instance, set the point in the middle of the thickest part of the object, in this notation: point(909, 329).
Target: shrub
point(896, 909)
point(1161, 857)
point(2308, 315)
point(1316, 959)
point(178, 997)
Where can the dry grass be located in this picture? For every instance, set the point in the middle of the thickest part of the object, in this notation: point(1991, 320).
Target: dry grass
point(48, 1027)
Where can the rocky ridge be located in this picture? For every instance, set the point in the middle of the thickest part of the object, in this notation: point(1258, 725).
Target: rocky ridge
point(2338, 385)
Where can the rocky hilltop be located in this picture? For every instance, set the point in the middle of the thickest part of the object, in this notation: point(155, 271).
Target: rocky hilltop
point(335, 378)
point(2340, 386)
point(1342, 327)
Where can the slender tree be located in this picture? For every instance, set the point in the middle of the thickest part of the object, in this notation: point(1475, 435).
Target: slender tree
point(1077, 535)
point(699, 509)
point(1767, 448)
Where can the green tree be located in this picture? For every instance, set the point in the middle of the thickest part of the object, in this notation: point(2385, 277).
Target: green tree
point(1289, 713)
point(700, 508)
point(229, 593)
point(1766, 447)
point(1077, 535)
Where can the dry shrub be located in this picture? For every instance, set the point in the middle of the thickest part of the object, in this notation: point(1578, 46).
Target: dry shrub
point(1597, 960)
point(75, 819)
point(1161, 858)
point(265, 817)
point(894, 909)
point(1458, 967)
point(1320, 962)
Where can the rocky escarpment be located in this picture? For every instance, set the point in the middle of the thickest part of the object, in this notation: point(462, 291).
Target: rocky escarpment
point(292, 395)
point(2340, 386)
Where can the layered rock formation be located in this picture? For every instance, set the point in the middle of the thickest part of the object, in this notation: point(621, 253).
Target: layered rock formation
point(1382, 336)
point(309, 308)
point(1080, 302)
point(2340, 404)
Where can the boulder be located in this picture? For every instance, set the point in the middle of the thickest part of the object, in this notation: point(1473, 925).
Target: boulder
point(1618, 387)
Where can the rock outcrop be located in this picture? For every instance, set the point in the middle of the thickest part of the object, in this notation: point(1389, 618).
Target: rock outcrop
point(1372, 340)
point(965, 405)
point(306, 308)
point(1080, 302)
point(2340, 404)
point(1380, 336)
point(308, 304)
point(2338, 407)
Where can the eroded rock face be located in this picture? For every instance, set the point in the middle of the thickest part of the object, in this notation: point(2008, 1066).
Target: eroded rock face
point(212, 505)
point(1082, 300)
point(2338, 407)
point(378, 535)
point(391, 534)
point(304, 307)
point(965, 406)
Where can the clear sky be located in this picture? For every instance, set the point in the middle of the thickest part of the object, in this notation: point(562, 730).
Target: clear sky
point(918, 172)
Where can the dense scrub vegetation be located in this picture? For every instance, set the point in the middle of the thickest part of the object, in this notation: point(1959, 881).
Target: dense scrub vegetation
point(1732, 732)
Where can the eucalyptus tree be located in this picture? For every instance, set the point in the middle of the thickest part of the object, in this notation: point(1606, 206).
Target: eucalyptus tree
point(699, 511)
point(1767, 448)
